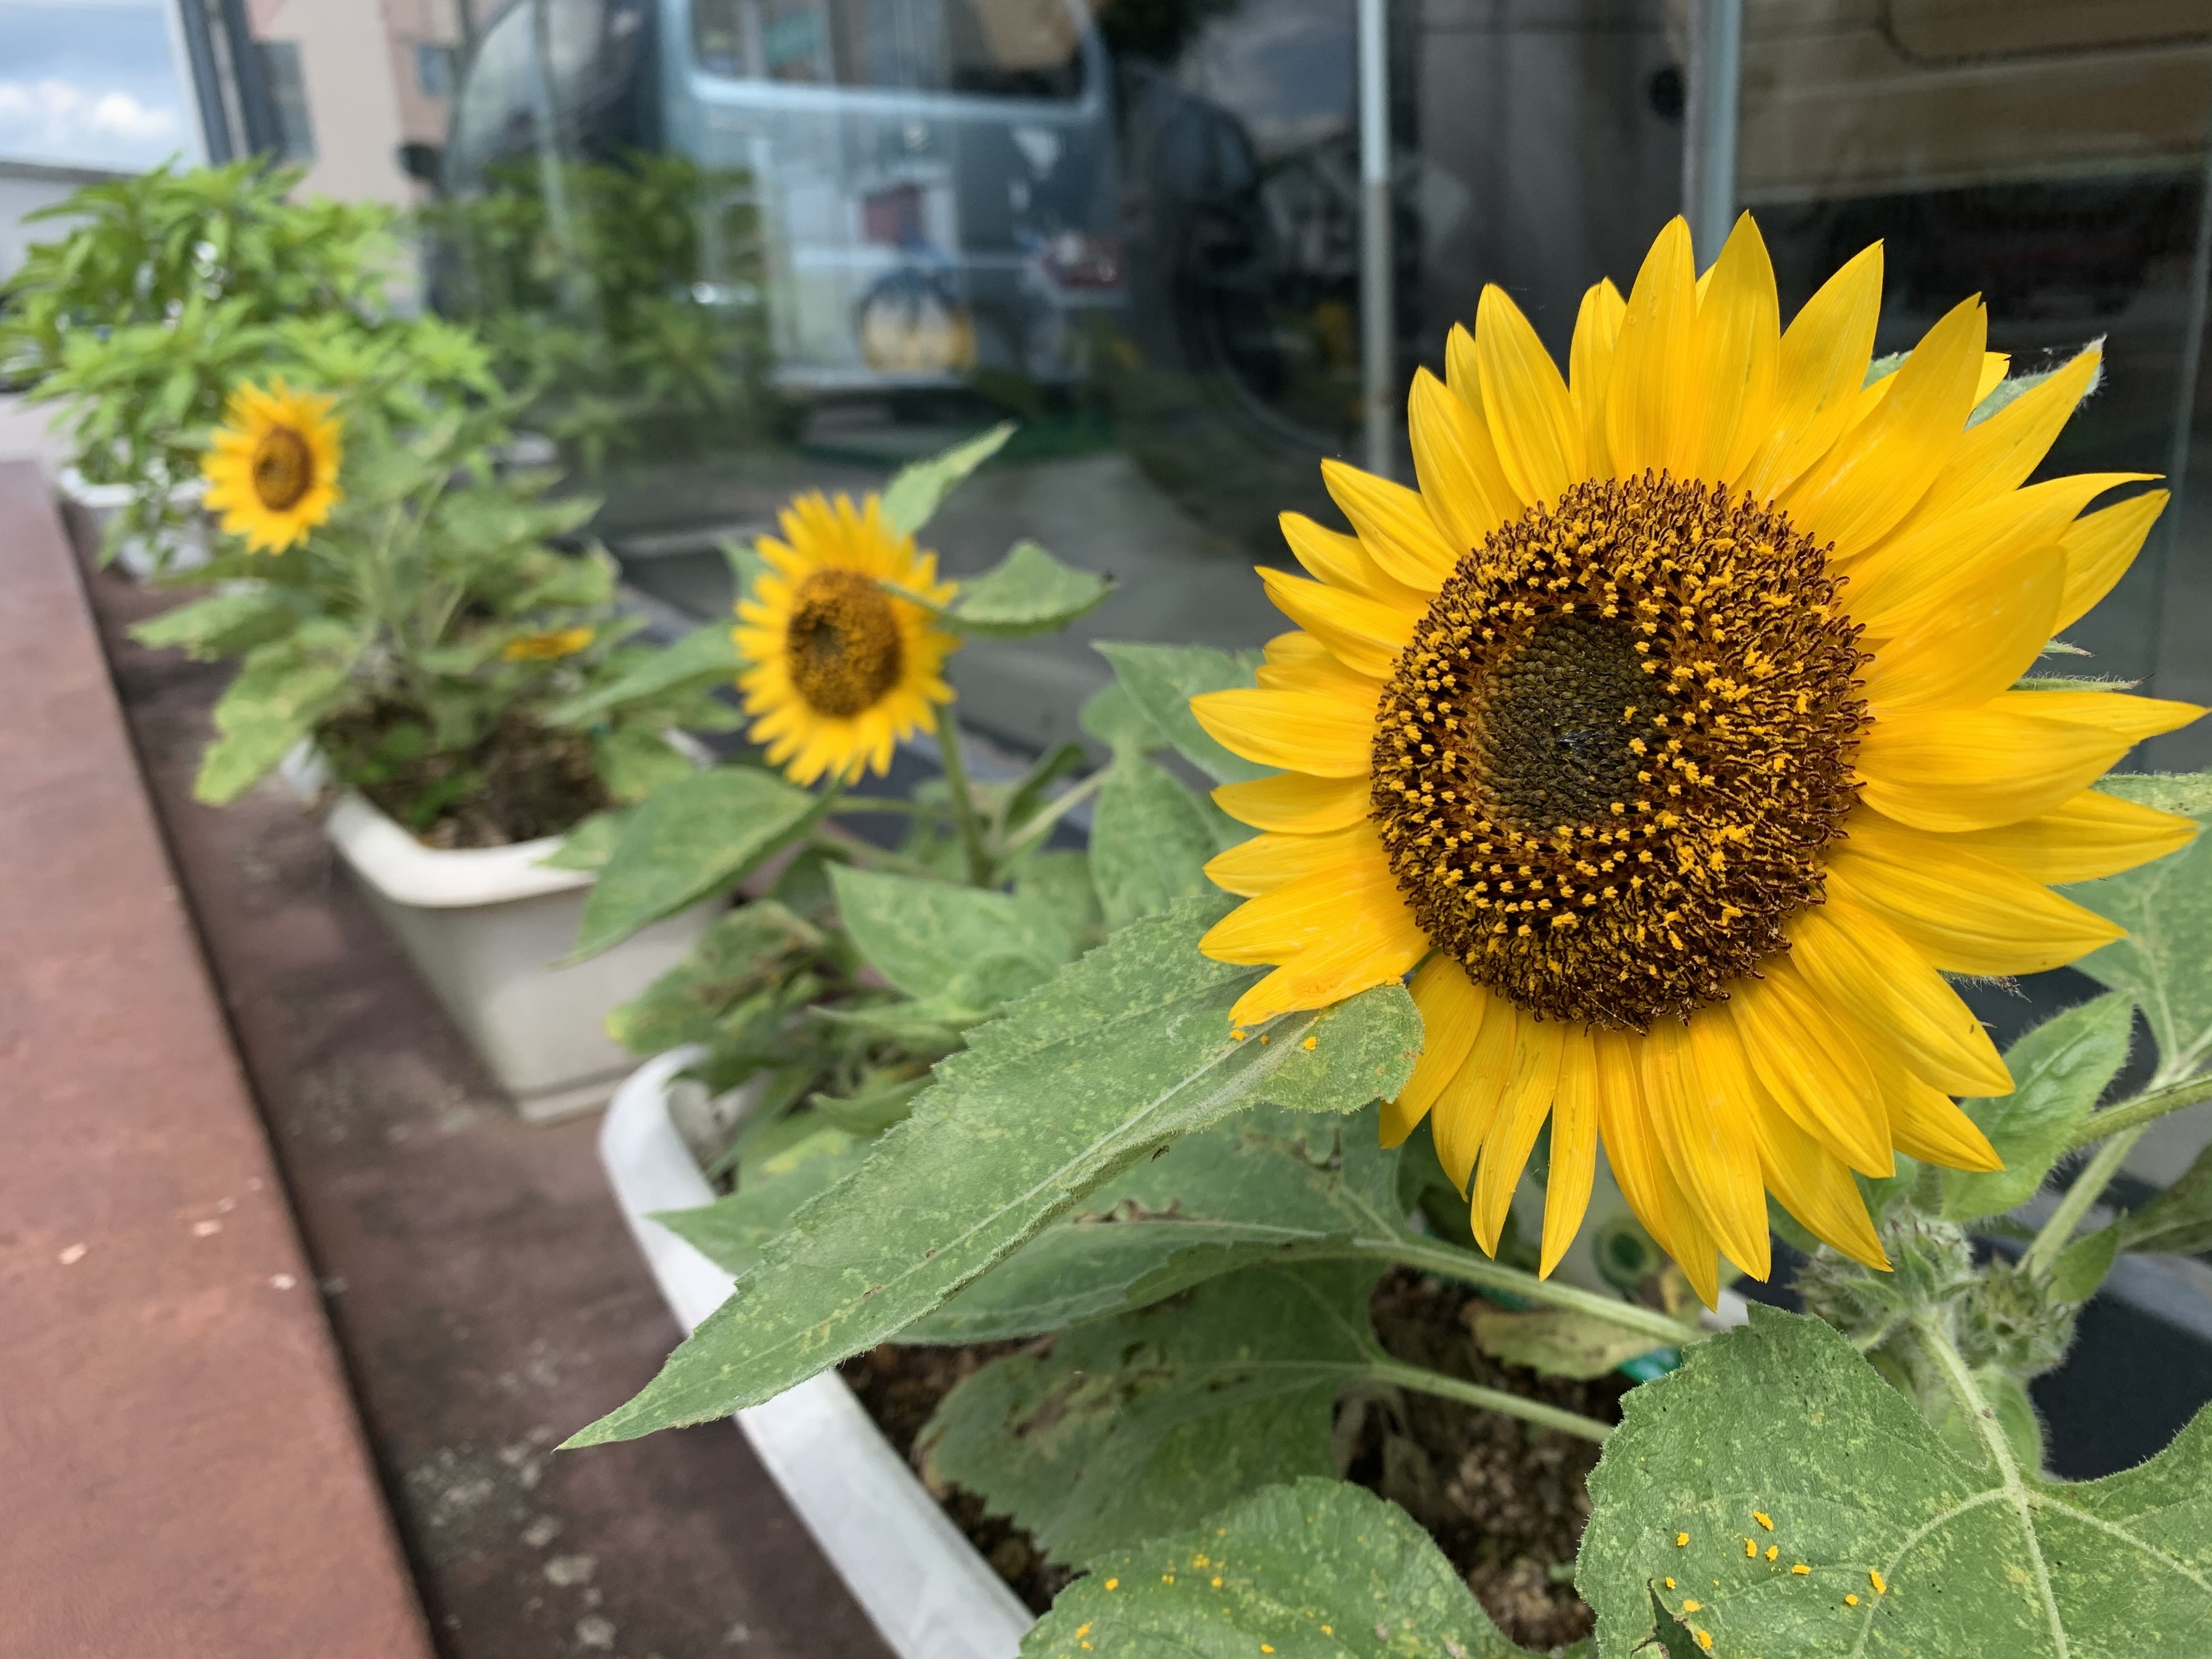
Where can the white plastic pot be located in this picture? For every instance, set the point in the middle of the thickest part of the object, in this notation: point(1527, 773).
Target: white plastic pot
point(485, 926)
point(186, 546)
point(912, 1571)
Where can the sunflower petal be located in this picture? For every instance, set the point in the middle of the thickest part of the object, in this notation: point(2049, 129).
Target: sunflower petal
point(1815, 1186)
point(1461, 1118)
point(1973, 769)
point(1393, 526)
point(1857, 492)
point(1375, 946)
point(2099, 549)
point(1877, 983)
point(1267, 862)
point(1810, 1064)
point(1463, 483)
point(1966, 914)
point(1699, 1084)
point(2091, 836)
point(1995, 457)
point(1824, 358)
point(1625, 1125)
point(1451, 1006)
point(1531, 418)
point(1970, 637)
point(1590, 369)
point(1574, 1146)
point(1365, 634)
point(1296, 803)
point(1734, 352)
point(1511, 1137)
point(1650, 385)
point(1308, 910)
point(1302, 732)
point(1334, 558)
point(1927, 1124)
point(2119, 713)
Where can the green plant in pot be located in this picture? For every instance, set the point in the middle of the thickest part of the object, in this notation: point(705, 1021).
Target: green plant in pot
point(167, 287)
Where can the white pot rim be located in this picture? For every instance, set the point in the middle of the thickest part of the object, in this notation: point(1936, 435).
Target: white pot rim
point(384, 854)
point(73, 485)
point(915, 1575)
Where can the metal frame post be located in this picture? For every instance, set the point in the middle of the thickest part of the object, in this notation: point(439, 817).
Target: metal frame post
point(1378, 324)
point(1712, 75)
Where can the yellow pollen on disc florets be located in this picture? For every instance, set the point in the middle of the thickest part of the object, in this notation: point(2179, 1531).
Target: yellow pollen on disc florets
point(842, 646)
point(1609, 758)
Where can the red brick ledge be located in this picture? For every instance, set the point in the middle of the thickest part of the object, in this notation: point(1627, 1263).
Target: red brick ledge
point(182, 1469)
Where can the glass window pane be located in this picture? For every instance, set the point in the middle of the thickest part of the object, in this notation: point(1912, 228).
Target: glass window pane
point(93, 85)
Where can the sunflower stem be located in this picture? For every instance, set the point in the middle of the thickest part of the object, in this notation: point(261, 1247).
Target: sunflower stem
point(963, 804)
point(2145, 1108)
point(1466, 1267)
point(1423, 1381)
point(2088, 1187)
point(1053, 810)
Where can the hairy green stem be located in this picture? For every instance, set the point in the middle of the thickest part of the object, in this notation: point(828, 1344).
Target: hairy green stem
point(891, 804)
point(1423, 1381)
point(1053, 810)
point(2088, 1187)
point(963, 804)
point(2145, 1108)
point(1466, 1267)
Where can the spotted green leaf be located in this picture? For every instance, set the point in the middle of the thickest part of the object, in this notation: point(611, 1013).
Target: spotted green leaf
point(1123, 1051)
point(1028, 591)
point(1162, 679)
point(1911, 1546)
point(2060, 1070)
point(282, 691)
point(912, 497)
point(1150, 840)
point(957, 945)
point(1313, 1569)
point(703, 656)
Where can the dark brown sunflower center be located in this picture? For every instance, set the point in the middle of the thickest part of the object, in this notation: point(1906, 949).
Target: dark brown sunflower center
point(283, 469)
point(1610, 756)
point(842, 647)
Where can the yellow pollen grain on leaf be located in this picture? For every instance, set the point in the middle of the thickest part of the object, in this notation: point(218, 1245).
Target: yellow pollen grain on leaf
point(1682, 1541)
point(1801, 1570)
point(1851, 1601)
point(1167, 1578)
point(1670, 1583)
point(1773, 1550)
point(1705, 1639)
point(1310, 1044)
point(1264, 1648)
point(1113, 1583)
point(1750, 1550)
point(1874, 1577)
point(1763, 1519)
point(1082, 1630)
point(1217, 1581)
point(1692, 1604)
point(1265, 1038)
point(1236, 1031)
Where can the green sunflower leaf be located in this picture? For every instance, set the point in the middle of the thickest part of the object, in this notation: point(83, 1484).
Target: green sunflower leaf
point(1162, 679)
point(1126, 1050)
point(1911, 1546)
point(732, 1232)
point(696, 836)
point(282, 691)
point(2178, 1219)
point(1150, 840)
point(225, 625)
point(1313, 1570)
point(703, 656)
point(1114, 717)
point(1141, 1426)
point(1267, 1183)
point(1028, 591)
point(2060, 1070)
point(958, 945)
point(589, 841)
point(742, 952)
point(915, 493)
point(2166, 961)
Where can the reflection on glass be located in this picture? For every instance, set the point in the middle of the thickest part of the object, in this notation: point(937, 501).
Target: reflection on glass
point(734, 248)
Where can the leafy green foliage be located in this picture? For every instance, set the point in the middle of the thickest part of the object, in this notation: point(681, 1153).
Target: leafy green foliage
point(2179, 1218)
point(2166, 907)
point(913, 496)
point(706, 656)
point(1941, 1555)
point(1141, 1426)
point(1115, 719)
point(734, 1232)
point(2059, 1071)
point(1029, 592)
point(699, 836)
point(1266, 1184)
point(962, 948)
point(1123, 1051)
point(752, 951)
point(1150, 840)
point(1313, 1570)
point(1162, 679)
point(279, 693)
point(227, 624)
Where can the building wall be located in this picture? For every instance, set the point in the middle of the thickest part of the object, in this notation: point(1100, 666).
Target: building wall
point(347, 60)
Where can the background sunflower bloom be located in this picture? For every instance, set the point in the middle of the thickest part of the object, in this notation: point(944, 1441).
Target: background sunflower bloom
point(1670, 731)
point(272, 470)
point(838, 671)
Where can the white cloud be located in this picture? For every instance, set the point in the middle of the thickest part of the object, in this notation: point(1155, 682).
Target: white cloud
point(61, 118)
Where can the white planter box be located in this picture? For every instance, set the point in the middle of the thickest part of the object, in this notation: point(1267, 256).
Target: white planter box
point(187, 549)
point(485, 926)
point(912, 1570)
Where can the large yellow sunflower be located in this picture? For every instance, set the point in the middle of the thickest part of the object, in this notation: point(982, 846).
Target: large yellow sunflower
point(838, 671)
point(272, 471)
point(1669, 733)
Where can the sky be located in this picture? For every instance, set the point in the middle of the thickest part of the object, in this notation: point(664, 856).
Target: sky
point(92, 85)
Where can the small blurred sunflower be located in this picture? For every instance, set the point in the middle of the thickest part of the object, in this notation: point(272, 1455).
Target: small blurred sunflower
point(838, 669)
point(549, 647)
point(1669, 732)
point(272, 470)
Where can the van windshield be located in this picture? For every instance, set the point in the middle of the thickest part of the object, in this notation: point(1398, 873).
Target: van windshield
point(1002, 48)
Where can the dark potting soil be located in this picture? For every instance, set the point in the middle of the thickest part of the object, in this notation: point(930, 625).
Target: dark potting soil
point(1504, 1500)
point(522, 781)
